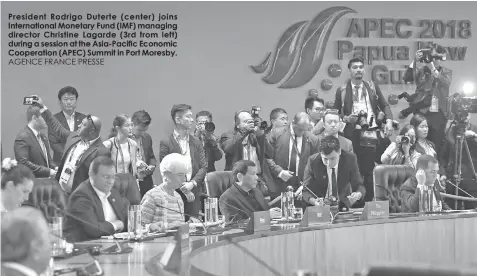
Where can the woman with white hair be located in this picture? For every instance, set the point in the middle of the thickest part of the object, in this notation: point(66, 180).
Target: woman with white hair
point(155, 216)
point(17, 184)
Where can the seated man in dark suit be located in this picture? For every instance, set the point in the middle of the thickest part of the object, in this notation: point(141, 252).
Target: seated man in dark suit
point(332, 174)
point(100, 208)
point(427, 170)
point(31, 146)
point(332, 125)
point(68, 117)
point(243, 198)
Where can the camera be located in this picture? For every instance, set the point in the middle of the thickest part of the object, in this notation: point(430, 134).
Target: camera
point(29, 100)
point(209, 127)
point(461, 106)
point(435, 52)
point(403, 139)
point(381, 120)
point(263, 125)
point(363, 119)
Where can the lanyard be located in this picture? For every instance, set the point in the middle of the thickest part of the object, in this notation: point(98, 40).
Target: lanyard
point(295, 145)
point(80, 156)
point(120, 149)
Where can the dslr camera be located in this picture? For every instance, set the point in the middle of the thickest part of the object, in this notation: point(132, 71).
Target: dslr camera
point(434, 52)
point(403, 139)
point(363, 119)
point(263, 125)
point(381, 121)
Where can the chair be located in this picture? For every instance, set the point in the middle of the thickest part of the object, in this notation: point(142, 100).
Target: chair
point(217, 182)
point(128, 187)
point(387, 181)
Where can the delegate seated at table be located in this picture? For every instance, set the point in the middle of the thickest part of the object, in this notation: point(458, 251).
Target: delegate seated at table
point(243, 198)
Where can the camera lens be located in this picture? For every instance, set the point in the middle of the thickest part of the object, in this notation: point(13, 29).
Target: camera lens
point(209, 127)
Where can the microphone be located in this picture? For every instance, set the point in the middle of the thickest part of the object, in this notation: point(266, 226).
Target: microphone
point(184, 214)
point(119, 247)
point(93, 268)
point(448, 181)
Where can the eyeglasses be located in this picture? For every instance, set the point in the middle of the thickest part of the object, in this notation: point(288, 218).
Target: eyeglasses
point(92, 122)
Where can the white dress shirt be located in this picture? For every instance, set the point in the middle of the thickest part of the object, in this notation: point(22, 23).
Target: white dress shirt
point(42, 145)
point(299, 143)
point(250, 153)
point(363, 103)
point(109, 214)
point(329, 191)
point(70, 120)
point(20, 268)
point(185, 150)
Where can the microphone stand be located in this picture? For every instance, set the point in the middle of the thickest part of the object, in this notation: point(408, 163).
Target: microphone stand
point(184, 214)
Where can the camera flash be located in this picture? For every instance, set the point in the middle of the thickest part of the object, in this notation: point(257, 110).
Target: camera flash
point(468, 88)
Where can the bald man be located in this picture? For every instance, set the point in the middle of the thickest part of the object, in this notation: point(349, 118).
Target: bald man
point(287, 152)
point(81, 148)
point(26, 247)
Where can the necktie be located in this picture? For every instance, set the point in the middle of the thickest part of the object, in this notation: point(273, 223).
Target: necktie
point(334, 185)
point(293, 156)
point(356, 93)
point(43, 148)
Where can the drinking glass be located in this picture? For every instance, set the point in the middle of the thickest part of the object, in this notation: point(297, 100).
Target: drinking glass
point(134, 221)
point(57, 241)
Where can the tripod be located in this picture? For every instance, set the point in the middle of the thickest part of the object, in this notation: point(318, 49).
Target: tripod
point(460, 145)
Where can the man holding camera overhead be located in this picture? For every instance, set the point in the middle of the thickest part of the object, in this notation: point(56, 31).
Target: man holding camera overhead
point(432, 90)
point(359, 103)
point(245, 142)
point(204, 130)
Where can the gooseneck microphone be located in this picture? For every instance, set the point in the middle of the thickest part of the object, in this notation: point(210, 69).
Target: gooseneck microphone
point(184, 214)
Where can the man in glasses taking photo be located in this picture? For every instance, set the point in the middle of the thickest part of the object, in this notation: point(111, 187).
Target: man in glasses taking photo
point(81, 148)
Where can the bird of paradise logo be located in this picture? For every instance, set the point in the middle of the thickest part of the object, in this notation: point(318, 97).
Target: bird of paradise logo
point(300, 50)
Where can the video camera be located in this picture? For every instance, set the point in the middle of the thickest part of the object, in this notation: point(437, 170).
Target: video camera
point(434, 52)
point(209, 127)
point(461, 106)
point(263, 125)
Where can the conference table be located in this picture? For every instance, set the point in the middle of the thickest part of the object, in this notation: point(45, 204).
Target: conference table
point(343, 248)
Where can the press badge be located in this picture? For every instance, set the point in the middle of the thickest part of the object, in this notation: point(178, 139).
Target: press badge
point(434, 104)
point(65, 176)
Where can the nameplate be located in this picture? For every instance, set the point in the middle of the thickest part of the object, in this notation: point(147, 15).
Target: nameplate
point(375, 210)
point(260, 221)
point(175, 251)
point(316, 215)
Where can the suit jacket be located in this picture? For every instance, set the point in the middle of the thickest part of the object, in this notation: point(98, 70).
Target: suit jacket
point(345, 143)
point(57, 144)
point(348, 179)
point(95, 149)
point(235, 207)
point(231, 144)
point(345, 106)
point(28, 152)
point(277, 156)
point(410, 199)
point(85, 204)
point(199, 168)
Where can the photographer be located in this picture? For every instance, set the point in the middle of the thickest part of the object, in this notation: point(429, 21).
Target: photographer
point(204, 130)
point(447, 158)
point(359, 103)
point(432, 90)
point(402, 151)
point(245, 142)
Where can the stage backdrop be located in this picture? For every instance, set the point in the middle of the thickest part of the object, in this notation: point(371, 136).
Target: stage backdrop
point(230, 56)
